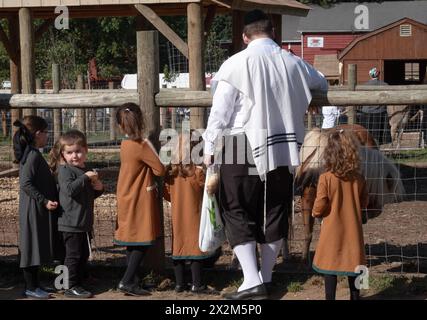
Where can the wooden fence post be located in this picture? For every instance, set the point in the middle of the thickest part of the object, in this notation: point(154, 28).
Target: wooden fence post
point(81, 113)
point(352, 82)
point(26, 38)
point(164, 114)
point(309, 120)
point(237, 29)
point(147, 43)
point(196, 59)
point(15, 71)
point(113, 131)
point(57, 113)
point(38, 87)
point(38, 84)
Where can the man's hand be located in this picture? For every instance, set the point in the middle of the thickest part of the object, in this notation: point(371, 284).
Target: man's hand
point(208, 160)
point(51, 205)
point(212, 184)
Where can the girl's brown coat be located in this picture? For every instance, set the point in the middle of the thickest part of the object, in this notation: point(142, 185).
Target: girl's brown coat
point(138, 215)
point(340, 248)
point(185, 195)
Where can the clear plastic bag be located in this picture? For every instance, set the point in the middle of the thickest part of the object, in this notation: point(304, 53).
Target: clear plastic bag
point(211, 232)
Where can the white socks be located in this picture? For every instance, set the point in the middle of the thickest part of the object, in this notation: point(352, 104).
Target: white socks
point(269, 253)
point(246, 254)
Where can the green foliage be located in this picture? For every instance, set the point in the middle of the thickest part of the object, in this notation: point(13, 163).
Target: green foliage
point(295, 287)
point(4, 58)
point(111, 41)
point(169, 75)
point(388, 286)
point(236, 283)
point(214, 54)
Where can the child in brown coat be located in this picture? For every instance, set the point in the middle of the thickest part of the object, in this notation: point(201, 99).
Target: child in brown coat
point(341, 196)
point(138, 214)
point(184, 189)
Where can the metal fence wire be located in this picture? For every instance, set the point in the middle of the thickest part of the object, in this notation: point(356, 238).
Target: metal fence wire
point(395, 240)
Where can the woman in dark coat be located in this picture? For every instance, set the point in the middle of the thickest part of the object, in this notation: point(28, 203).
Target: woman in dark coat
point(37, 200)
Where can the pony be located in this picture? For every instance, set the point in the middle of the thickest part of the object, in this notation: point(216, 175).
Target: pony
point(399, 117)
point(382, 176)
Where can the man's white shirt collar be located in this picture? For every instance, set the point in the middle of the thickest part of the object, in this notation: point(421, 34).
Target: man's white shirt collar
point(261, 41)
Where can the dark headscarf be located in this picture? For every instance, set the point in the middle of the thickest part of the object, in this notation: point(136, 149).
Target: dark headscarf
point(22, 140)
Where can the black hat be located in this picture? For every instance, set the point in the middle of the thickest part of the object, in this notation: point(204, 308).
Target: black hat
point(254, 16)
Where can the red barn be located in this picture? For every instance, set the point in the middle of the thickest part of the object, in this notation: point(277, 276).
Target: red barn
point(323, 35)
point(398, 50)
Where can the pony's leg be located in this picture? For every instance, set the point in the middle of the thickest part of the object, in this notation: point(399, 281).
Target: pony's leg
point(307, 201)
point(285, 252)
point(285, 249)
point(403, 125)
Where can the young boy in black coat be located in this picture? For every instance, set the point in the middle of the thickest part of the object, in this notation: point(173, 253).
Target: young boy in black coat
point(78, 188)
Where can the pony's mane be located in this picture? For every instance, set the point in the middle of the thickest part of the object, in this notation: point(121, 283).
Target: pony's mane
point(311, 158)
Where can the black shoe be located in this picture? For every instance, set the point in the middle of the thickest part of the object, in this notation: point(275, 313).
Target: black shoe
point(269, 286)
point(37, 294)
point(77, 292)
point(255, 293)
point(198, 289)
point(180, 288)
point(49, 289)
point(132, 289)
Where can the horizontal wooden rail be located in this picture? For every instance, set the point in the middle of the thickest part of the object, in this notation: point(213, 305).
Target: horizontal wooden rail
point(187, 98)
point(331, 88)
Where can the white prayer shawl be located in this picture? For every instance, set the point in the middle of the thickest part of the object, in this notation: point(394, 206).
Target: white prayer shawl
point(276, 88)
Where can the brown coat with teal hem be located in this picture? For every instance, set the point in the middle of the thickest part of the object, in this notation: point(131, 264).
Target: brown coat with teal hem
point(340, 248)
point(185, 195)
point(138, 214)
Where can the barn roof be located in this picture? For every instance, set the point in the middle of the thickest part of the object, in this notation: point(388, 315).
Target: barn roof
point(376, 32)
point(340, 17)
point(94, 8)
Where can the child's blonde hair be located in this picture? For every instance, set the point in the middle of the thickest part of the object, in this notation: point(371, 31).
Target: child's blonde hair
point(181, 164)
point(69, 138)
point(341, 154)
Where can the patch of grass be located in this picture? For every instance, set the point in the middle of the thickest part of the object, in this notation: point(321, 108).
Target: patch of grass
point(410, 156)
point(102, 157)
point(236, 283)
point(295, 287)
point(47, 269)
point(381, 283)
point(5, 141)
point(152, 279)
point(391, 286)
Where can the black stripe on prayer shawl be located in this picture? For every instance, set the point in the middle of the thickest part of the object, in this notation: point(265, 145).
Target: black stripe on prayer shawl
point(275, 136)
point(280, 135)
point(261, 152)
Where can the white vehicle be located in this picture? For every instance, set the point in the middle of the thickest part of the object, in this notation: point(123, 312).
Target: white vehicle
point(6, 84)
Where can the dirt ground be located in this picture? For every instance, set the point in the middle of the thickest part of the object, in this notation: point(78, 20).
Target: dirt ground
point(396, 246)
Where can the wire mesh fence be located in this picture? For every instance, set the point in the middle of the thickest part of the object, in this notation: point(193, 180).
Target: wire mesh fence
point(395, 240)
